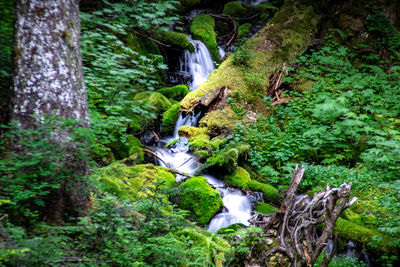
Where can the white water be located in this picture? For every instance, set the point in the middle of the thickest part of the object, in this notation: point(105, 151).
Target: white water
point(252, 2)
point(237, 206)
point(198, 64)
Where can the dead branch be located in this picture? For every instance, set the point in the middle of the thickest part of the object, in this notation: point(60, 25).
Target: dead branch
point(298, 218)
point(156, 156)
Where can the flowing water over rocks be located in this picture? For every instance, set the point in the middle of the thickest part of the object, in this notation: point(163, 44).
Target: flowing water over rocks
point(237, 205)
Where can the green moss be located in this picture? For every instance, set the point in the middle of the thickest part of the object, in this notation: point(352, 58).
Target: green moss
point(280, 41)
point(160, 102)
point(136, 155)
point(235, 9)
point(131, 182)
point(203, 154)
point(358, 234)
point(177, 92)
point(142, 95)
point(270, 193)
point(133, 141)
point(198, 197)
point(202, 28)
point(240, 178)
point(223, 162)
point(169, 118)
point(199, 139)
point(135, 125)
point(221, 121)
point(265, 208)
point(176, 39)
point(243, 30)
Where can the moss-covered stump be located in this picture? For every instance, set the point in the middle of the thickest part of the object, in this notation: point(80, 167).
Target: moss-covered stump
point(131, 182)
point(247, 72)
point(176, 39)
point(240, 178)
point(371, 239)
point(202, 28)
point(177, 92)
point(200, 198)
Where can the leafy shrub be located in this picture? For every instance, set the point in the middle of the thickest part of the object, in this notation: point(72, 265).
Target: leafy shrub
point(28, 178)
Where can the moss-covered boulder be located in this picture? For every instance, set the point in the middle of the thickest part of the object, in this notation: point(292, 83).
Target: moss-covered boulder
point(131, 182)
point(220, 121)
point(222, 162)
point(156, 100)
point(177, 92)
point(176, 39)
point(248, 72)
point(199, 140)
point(240, 178)
point(169, 118)
point(200, 198)
point(235, 9)
point(202, 28)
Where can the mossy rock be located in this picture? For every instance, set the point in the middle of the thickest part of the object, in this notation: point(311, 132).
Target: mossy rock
point(159, 102)
point(177, 92)
point(200, 198)
point(243, 30)
point(169, 118)
point(240, 178)
point(202, 28)
point(176, 39)
point(364, 236)
point(235, 9)
point(222, 162)
point(131, 182)
point(265, 208)
point(199, 139)
point(136, 155)
point(285, 36)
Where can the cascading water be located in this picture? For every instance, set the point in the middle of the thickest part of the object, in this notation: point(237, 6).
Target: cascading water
point(198, 64)
point(237, 206)
point(252, 2)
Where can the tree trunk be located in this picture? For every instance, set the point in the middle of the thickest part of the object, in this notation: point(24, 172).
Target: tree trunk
point(48, 80)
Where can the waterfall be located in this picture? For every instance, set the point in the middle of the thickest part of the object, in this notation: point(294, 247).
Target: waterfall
point(198, 64)
point(237, 205)
point(252, 2)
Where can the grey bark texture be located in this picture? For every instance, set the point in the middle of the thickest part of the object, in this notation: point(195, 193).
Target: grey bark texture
point(48, 80)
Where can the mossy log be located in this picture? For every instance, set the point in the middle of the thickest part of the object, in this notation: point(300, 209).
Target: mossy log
point(247, 72)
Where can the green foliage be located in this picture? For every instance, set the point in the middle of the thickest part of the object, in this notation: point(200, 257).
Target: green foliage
point(114, 73)
point(39, 164)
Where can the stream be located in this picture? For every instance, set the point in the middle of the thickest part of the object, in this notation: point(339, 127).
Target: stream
point(237, 205)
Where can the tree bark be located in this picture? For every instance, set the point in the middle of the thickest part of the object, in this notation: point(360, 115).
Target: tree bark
point(48, 81)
